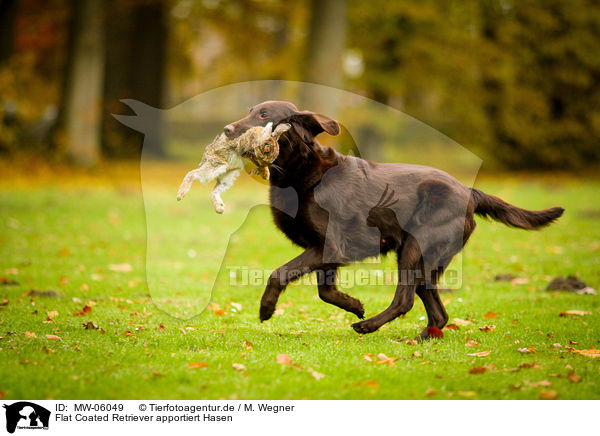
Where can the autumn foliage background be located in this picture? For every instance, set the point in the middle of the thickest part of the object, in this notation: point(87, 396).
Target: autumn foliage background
point(515, 82)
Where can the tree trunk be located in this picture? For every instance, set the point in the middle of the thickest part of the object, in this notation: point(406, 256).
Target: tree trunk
point(324, 53)
point(136, 64)
point(80, 109)
point(8, 15)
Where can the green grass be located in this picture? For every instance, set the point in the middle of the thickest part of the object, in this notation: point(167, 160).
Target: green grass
point(64, 237)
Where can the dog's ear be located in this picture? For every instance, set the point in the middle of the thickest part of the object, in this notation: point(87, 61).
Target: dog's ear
point(308, 124)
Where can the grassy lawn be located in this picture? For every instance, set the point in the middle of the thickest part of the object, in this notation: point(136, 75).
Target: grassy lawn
point(84, 239)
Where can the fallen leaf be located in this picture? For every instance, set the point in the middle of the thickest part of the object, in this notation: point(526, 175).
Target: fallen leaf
point(162, 327)
point(527, 350)
point(383, 359)
point(520, 281)
point(430, 392)
point(238, 366)
point(368, 357)
point(487, 328)
point(197, 365)
point(371, 383)
point(284, 359)
point(182, 330)
point(467, 394)
point(540, 383)
point(120, 267)
point(52, 313)
point(480, 354)
point(557, 345)
point(490, 315)
point(411, 342)
point(54, 337)
point(573, 378)
point(472, 343)
point(592, 352)
point(417, 354)
point(236, 306)
point(90, 325)
point(315, 374)
point(30, 335)
point(451, 327)
point(461, 322)
point(86, 309)
point(548, 395)
point(478, 370)
point(530, 365)
point(572, 313)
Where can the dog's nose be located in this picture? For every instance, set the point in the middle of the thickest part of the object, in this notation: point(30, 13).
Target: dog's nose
point(228, 129)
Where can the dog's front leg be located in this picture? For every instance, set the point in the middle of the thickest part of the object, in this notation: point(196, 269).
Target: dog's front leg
point(308, 261)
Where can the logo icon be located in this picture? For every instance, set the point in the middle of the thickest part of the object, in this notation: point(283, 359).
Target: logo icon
point(26, 415)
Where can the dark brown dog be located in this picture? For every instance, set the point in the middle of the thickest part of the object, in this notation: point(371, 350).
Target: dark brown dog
point(327, 203)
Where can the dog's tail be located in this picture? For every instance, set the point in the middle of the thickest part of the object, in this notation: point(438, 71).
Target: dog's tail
point(489, 206)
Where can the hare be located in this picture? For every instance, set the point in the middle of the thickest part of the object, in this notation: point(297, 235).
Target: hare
point(222, 160)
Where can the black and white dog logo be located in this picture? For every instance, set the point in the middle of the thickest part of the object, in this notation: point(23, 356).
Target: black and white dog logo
point(26, 415)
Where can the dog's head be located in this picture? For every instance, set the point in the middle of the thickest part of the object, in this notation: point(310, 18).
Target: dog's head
point(305, 124)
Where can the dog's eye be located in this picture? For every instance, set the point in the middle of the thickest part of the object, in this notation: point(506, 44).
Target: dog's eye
point(263, 115)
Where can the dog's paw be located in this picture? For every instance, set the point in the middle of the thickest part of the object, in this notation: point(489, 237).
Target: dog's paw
point(266, 312)
point(367, 326)
point(359, 310)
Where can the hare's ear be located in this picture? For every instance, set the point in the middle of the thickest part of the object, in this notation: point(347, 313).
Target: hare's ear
point(281, 129)
point(266, 132)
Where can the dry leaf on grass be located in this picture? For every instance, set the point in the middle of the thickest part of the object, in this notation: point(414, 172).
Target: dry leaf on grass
point(478, 369)
point(545, 383)
point(54, 337)
point(573, 378)
point(197, 365)
point(284, 359)
point(591, 352)
point(480, 354)
point(430, 392)
point(120, 267)
point(548, 395)
point(573, 313)
point(411, 342)
point(451, 327)
point(238, 366)
point(382, 358)
point(467, 394)
point(472, 343)
point(528, 350)
point(30, 335)
point(461, 322)
point(315, 374)
point(487, 328)
point(490, 315)
point(86, 309)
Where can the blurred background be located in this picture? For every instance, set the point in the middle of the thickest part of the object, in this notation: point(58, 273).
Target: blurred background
point(515, 82)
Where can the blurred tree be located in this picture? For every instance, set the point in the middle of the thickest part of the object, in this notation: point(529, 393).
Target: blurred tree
point(8, 16)
point(135, 68)
point(543, 96)
point(80, 108)
point(325, 45)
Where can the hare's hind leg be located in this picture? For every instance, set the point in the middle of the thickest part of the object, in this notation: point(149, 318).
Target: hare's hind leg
point(204, 174)
point(224, 182)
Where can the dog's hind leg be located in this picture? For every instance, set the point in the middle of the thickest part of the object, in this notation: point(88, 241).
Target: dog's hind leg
point(329, 293)
point(224, 182)
point(437, 317)
point(410, 267)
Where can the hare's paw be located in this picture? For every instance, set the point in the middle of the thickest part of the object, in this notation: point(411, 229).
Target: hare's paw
point(219, 207)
